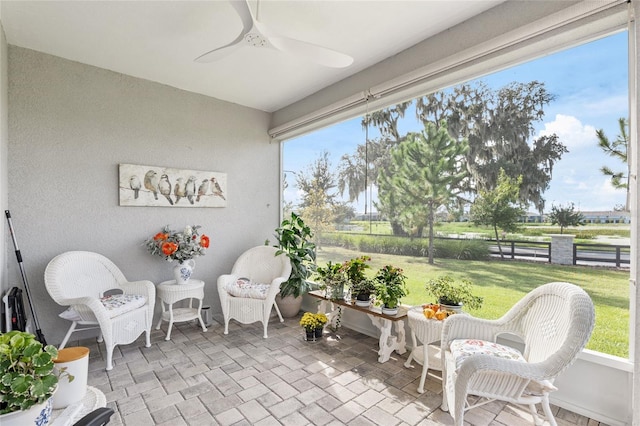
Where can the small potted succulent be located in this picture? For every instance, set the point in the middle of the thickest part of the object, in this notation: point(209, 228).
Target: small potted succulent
point(390, 288)
point(453, 293)
point(27, 379)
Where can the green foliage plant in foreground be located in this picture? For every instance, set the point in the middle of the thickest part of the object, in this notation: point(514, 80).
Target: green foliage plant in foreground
point(502, 283)
point(27, 377)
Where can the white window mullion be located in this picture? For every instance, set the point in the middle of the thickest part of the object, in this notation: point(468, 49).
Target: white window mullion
point(633, 157)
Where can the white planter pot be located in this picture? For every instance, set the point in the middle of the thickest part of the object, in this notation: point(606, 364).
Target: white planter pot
point(455, 308)
point(363, 303)
point(37, 415)
point(289, 306)
point(76, 362)
point(389, 311)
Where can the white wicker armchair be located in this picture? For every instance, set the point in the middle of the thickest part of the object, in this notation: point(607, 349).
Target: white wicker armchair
point(554, 321)
point(263, 268)
point(79, 279)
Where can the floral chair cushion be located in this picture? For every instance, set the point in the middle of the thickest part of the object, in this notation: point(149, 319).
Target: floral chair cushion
point(115, 304)
point(461, 349)
point(244, 287)
point(118, 304)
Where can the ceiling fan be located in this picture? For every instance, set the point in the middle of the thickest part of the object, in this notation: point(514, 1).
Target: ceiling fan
point(256, 34)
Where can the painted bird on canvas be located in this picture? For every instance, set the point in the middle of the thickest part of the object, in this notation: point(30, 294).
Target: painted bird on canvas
point(202, 189)
point(151, 182)
point(190, 188)
point(165, 187)
point(135, 184)
point(216, 188)
point(179, 189)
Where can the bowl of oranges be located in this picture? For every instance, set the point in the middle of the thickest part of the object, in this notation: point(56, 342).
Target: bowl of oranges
point(435, 311)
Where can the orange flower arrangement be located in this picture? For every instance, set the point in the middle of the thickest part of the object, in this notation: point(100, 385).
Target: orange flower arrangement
point(180, 246)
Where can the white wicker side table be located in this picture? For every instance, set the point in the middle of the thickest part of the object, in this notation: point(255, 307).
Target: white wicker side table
point(169, 293)
point(428, 331)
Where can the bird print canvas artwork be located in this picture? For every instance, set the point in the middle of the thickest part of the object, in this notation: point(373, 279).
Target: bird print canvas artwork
point(163, 186)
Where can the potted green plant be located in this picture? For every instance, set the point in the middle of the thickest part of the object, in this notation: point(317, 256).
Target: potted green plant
point(453, 293)
point(390, 288)
point(294, 239)
point(362, 290)
point(334, 277)
point(354, 268)
point(332, 280)
point(27, 379)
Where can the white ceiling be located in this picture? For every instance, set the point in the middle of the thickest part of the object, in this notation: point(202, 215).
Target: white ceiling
point(159, 40)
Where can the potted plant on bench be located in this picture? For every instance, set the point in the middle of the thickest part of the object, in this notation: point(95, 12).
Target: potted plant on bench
point(354, 268)
point(332, 280)
point(362, 290)
point(390, 288)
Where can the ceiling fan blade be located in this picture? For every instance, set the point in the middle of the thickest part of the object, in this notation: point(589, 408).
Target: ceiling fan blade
point(318, 54)
point(219, 53)
point(242, 9)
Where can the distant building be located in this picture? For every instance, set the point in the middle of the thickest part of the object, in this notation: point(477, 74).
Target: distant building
point(530, 217)
point(372, 216)
point(607, 217)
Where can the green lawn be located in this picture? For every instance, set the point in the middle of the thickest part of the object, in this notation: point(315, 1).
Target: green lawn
point(503, 283)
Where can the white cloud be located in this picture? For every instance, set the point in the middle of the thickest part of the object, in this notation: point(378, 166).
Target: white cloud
point(571, 132)
point(588, 192)
point(601, 196)
point(609, 105)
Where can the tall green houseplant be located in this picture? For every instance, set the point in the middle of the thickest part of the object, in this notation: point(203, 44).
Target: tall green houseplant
point(294, 239)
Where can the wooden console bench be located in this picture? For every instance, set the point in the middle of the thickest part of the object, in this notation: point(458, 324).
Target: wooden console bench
point(383, 322)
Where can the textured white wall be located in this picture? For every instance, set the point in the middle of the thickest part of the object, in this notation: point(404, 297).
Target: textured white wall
point(4, 142)
point(71, 124)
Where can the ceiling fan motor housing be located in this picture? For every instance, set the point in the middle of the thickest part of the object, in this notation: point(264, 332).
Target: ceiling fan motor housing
point(255, 40)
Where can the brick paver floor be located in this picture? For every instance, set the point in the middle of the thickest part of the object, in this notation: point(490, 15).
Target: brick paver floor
point(207, 378)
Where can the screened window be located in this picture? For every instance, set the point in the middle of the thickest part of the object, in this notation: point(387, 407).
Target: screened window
point(382, 184)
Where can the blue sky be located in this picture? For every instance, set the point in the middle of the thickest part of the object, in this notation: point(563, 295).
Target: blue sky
point(590, 85)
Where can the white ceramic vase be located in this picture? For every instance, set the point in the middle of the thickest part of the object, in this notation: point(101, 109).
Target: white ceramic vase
point(182, 271)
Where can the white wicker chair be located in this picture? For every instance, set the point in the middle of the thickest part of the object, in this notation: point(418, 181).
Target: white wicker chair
point(79, 279)
point(260, 265)
point(554, 321)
